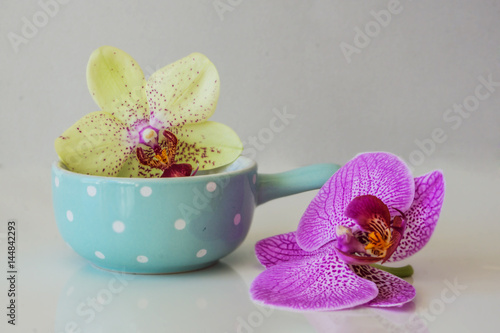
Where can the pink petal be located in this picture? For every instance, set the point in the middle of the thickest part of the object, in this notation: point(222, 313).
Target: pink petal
point(368, 211)
point(280, 248)
point(422, 217)
point(398, 227)
point(353, 259)
point(321, 282)
point(178, 170)
point(383, 175)
point(392, 291)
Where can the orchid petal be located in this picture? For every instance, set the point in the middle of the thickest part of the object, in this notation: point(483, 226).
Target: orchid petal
point(97, 144)
point(117, 84)
point(184, 92)
point(398, 228)
point(368, 211)
point(422, 217)
point(380, 174)
point(353, 259)
point(321, 282)
point(208, 144)
point(280, 248)
point(133, 169)
point(178, 170)
point(347, 242)
point(392, 291)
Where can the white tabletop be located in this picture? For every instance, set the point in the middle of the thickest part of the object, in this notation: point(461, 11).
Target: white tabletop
point(456, 275)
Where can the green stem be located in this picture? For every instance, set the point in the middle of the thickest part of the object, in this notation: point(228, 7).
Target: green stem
point(402, 272)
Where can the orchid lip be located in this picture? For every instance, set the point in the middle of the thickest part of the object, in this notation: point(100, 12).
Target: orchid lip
point(380, 236)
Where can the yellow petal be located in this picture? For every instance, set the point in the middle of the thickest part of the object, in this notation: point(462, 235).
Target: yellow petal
point(209, 145)
point(184, 92)
point(117, 84)
point(97, 144)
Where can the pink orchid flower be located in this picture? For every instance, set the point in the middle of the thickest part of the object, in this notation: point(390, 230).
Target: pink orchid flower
point(371, 210)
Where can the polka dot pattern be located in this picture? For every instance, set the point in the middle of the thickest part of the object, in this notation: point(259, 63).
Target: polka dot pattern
point(237, 219)
point(99, 255)
point(56, 181)
point(142, 259)
point(69, 215)
point(118, 226)
point(91, 191)
point(211, 186)
point(180, 224)
point(201, 253)
point(146, 191)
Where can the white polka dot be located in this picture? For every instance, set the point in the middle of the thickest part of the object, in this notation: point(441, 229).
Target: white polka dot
point(237, 219)
point(180, 224)
point(211, 187)
point(118, 226)
point(56, 181)
point(69, 215)
point(99, 255)
point(146, 191)
point(142, 259)
point(91, 190)
point(201, 253)
point(254, 178)
point(142, 303)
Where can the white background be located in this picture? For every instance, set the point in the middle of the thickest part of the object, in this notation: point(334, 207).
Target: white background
point(390, 95)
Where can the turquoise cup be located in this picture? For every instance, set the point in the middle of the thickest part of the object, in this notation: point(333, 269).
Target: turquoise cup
point(168, 225)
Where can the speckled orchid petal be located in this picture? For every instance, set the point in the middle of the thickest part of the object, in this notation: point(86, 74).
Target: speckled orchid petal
point(383, 175)
point(422, 217)
point(132, 169)
point(184, 92)
point(281, 248)
point(97, 144)
point(392, 290)
point(368, 211)
point(321, 282)
point(117, 84)
point(208, 144)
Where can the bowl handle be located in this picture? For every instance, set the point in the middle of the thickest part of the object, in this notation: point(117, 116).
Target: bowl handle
point(272, 186)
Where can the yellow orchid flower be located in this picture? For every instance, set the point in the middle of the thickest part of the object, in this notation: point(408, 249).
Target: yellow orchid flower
point(150, 128)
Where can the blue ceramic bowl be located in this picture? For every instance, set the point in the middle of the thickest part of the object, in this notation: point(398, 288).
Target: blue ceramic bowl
point(168, 225)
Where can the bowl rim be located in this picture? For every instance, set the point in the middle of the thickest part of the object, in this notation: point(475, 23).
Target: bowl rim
point(58, 165)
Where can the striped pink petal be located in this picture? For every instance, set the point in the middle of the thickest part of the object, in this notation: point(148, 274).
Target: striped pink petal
point(280, 248)
point(321, 282)
point(383, 175)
